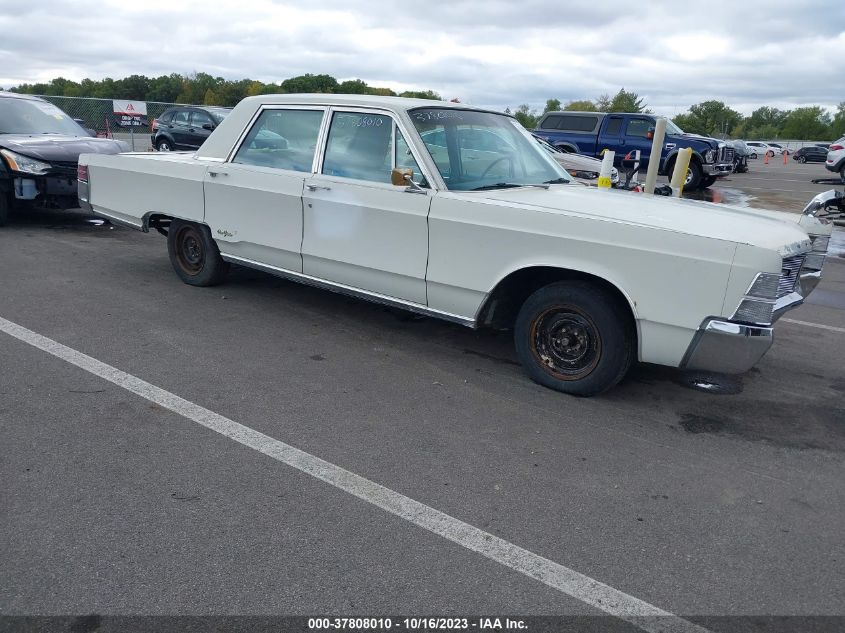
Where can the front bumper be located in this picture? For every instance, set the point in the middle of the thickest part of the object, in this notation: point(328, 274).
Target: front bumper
point(728, 348)
point(717, 169)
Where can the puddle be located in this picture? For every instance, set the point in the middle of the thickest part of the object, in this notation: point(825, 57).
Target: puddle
point(721, 195)
point(710, 382)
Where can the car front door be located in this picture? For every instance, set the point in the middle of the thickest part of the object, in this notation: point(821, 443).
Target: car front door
point(360, 230)
point(636, 137)
point(253, 202)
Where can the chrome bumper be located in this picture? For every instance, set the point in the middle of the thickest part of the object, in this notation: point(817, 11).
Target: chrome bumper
point(728, 348)
point(82, 192)
point(717, 169)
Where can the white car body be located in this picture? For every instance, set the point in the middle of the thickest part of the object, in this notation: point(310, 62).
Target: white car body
point(683, 267)
point(835, 160)
point(761, 149)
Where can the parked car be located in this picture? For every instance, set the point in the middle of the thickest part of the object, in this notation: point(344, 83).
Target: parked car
point(362, 199)
point(835, 160)
point(777, 146)
point(810, 154)
point(759, 148)
point(39, 148)
point(741, 155)
point(185, 127)
point(582, 168)
point(590, 133)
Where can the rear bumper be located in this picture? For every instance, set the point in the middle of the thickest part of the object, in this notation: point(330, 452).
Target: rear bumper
point(728, 348)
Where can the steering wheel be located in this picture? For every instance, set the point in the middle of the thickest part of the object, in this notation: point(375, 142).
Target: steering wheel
point(496, 162)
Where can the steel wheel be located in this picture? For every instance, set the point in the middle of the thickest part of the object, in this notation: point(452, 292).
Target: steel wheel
point(565, 342)
point(190, 253)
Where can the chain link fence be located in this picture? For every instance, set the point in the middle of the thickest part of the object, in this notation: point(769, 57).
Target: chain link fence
point(97, 114)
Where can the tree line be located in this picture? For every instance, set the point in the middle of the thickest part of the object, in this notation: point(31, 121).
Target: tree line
point(709, 118)
point(203, 89)
point(714, 118)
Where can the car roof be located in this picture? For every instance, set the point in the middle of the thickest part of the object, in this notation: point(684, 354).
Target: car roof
point(363, 101)
point(19, 95)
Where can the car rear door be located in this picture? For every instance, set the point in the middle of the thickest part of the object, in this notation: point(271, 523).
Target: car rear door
point(253, 202)
point(179, 128)
point(196, 133)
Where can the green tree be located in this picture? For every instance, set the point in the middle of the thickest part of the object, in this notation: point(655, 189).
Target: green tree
point(709, 118)
point(421, 94)
point(310, 83)
point(353, 87)
point(837, 125)
point(603, 103)
point(625, 101)
point(526, 116)
point(810, 123)
point(581, 105)
point(764, 123)
point(552, 105)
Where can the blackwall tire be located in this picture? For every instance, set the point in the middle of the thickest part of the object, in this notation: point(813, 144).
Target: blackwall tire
point(194, 254)
point(575, 337)
point(4, 209)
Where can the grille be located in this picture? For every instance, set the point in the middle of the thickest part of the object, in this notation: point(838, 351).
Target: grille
point(726, 155)
point(757, 312)
point(789, 274)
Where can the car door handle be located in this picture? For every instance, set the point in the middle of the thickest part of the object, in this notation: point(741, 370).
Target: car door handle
point(214, 174)
point(316, 187)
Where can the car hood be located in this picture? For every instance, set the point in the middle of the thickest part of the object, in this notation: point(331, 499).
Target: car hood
point(58, 148)
point(766, 229)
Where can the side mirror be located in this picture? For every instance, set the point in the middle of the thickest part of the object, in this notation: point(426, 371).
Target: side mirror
point(207, 126)
point(650, 134)
point(400, 177)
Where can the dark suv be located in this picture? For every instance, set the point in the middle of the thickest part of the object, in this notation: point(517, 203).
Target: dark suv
point(185, 127)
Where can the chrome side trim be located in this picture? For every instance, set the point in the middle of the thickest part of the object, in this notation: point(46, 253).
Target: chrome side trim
point(351, 291)
point(725, 347)
point(120, 221)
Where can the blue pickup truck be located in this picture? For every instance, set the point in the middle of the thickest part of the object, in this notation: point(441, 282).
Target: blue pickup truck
point(590, 133)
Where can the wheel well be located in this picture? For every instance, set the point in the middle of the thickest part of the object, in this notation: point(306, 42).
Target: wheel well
point(503, 303)
point(158, 221)
point(669, 166)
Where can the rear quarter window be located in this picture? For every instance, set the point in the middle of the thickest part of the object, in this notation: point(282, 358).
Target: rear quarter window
point(572, 122)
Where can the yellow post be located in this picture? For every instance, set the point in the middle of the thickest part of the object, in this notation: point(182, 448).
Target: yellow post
point(679, 175)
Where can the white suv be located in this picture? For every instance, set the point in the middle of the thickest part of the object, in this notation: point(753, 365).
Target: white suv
point(836, 158)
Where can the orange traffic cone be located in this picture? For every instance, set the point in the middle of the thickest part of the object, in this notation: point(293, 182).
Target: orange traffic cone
point(785, 155)
point(766, 161)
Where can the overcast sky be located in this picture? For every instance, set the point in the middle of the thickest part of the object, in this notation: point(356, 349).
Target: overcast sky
point(747, 53)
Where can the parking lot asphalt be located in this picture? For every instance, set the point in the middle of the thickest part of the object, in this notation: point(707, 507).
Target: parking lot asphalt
point(700, 503)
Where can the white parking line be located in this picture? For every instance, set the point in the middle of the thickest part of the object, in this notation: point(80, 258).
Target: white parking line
point(831, 328)
point(548, 572)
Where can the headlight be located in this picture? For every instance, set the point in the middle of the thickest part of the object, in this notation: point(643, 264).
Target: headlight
point(25, 164)
point(709, 155)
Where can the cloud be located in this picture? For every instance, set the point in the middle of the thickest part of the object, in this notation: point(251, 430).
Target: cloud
point(493, 53)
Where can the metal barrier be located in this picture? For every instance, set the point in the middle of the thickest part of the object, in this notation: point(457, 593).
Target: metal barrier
point(97, 114)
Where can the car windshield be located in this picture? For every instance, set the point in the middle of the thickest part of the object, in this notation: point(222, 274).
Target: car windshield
point(28, 116)
point(671, 128)
point(483, 150)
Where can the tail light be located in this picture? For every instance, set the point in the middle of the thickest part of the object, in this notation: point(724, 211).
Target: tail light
point(834, 148)
point(82, 173)
point(154, 125)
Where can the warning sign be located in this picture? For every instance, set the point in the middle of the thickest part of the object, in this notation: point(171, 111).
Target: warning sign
point(129, 108)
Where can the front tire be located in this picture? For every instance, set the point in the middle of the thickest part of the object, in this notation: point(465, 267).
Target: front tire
point(802, 159)
point(708, 181)
point(194, 254)
point(164, 145)
point(574, 337)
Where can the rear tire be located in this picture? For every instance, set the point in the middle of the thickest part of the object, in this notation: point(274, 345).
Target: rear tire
point(574, 337)
point(194, 254)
